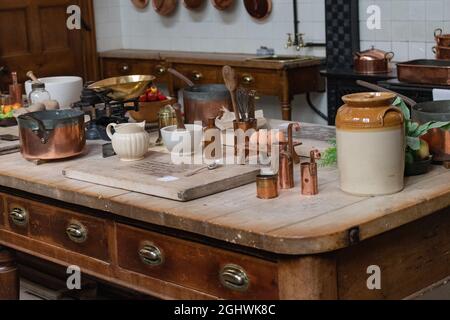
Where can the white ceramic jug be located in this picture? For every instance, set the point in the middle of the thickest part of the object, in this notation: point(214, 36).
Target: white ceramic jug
point(130, 141)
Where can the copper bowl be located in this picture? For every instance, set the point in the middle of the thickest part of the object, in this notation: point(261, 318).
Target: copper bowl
point(148, 111)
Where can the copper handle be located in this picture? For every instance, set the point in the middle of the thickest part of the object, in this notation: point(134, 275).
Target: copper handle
point(160, 70)
point(124, 68)
point(197, 76)
point(234, 277)
point(248, 79)
point(438, 32)
point(19, 216)
point(151, 255)
point(76, 232)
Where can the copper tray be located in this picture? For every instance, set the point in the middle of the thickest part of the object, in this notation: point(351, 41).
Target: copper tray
point(435, 72)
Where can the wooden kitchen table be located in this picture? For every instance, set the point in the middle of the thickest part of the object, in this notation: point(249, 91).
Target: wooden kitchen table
point(230, 245)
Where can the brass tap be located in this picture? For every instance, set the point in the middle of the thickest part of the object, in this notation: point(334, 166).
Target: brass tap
point(300, 41)
point(289, 42)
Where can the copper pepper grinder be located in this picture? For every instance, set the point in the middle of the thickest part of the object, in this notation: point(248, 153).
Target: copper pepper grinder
point(310, 181)
point(286, 171)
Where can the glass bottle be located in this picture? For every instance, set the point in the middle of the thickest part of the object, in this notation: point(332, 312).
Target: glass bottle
point(38, 93)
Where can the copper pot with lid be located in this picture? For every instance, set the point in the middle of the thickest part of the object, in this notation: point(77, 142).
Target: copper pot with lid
point(442, 40)
point(372, 61)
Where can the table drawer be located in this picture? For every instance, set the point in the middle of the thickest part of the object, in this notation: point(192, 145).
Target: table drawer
point(266, 82)
point(199, 74)
point(63, 228)
point(122, 67)
point(214, 271)
point(2, 212)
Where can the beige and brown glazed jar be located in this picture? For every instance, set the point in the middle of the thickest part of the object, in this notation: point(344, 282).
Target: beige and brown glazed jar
point(370, 136)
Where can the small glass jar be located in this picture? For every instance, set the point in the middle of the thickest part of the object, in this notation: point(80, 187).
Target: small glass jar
point(38, 93)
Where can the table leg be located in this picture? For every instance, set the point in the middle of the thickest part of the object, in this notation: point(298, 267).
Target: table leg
point(9, 275)
point(286, 98)
point(286, 109)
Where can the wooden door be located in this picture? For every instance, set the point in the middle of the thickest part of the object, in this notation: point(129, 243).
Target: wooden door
point(34, 36)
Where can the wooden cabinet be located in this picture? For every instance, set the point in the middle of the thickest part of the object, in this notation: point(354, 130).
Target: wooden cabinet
point(66, 229)
point(214, 271)
point(123, 67)
point(283, 79)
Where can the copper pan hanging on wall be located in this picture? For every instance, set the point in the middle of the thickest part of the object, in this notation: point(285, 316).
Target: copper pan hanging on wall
point(193, 4)
point(222, 4)
point(140, 4)
point(258, 9)
point(164, 7)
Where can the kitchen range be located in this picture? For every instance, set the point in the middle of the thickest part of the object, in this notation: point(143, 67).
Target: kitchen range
point(167, 174)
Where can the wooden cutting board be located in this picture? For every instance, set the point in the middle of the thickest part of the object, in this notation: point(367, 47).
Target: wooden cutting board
point(156, 175)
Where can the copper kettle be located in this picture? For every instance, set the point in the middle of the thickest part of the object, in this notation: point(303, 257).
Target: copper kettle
point(372, 61)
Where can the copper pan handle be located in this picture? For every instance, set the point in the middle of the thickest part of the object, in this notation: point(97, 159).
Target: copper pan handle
point(41, 132)
point(374, 87)
point(389, 56)
point(438, 32)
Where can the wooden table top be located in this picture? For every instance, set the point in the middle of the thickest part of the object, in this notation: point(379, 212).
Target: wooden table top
point(233, 59)
point(292, 224)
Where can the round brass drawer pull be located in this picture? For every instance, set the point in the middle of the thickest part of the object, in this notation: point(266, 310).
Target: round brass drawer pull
point(197, 76)
point(248, 79)
point(124, 68)
point(19, 216)
point(151, 255)
point(234, 277)
point(76, 232)
point(160, 70)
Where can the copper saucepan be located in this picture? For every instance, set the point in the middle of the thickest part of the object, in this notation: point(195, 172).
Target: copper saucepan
point(442, 40)
point(372, 61)
point(52, 134)
point(442, 53)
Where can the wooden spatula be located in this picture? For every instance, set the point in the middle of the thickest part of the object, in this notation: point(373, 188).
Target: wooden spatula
point(180, 122)
point(229, 76)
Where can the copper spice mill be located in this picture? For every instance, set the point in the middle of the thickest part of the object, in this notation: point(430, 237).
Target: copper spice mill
point(310, 182)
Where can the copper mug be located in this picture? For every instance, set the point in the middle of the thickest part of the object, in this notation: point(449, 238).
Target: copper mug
point(267, 186)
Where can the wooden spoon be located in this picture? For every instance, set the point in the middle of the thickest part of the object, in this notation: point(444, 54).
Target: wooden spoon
point(31, 75)
point(181, 76)
point(180, 122)
point(229, 76)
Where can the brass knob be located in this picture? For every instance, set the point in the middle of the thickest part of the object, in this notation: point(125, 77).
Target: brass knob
point(160, 70)
point(77, 232)
point(151, 255)
point(247, 79)
point(19, 216)
point(197, 76)
point(234, 277)
point(124, 68)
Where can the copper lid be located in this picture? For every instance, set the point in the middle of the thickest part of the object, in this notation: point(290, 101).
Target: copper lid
point(374, 54)
point(369, 110)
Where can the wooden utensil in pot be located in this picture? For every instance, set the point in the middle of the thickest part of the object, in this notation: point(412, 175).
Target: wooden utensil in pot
point(181, 76)
point(229, 76)
point(180, 122)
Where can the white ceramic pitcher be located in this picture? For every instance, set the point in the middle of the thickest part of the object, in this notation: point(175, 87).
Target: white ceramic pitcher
point(130, 141)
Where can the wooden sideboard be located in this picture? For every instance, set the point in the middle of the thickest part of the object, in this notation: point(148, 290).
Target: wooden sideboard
point(283, 79)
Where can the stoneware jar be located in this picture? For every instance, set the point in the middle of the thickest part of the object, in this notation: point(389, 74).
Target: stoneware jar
point(371, 144)
point(130, 140)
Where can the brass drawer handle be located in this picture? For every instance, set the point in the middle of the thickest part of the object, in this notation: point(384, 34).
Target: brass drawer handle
point(234, 277)
point(19, 216)
point(160, 70)
point(77, 232)
point(197, 76)
point(124, 68)
point(151, 255)
point(247, 79)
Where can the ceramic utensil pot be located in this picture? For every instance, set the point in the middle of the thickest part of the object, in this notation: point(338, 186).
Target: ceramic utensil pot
point(372, 61)
point(371, 144)
point(52, 135)
point(130, 140)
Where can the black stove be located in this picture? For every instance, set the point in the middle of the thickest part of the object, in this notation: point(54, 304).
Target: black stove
point(103, 111)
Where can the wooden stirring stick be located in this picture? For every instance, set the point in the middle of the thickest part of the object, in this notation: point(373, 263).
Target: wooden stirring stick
point(229, 76)
point(180, 122)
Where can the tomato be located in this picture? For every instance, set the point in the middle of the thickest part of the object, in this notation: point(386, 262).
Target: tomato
point(143, 98)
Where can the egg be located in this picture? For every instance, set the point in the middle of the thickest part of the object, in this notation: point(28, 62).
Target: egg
point(51, 104)
point(35, 107)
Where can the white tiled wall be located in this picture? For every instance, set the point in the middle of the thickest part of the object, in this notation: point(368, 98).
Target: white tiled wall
point(108, 24)
point(407, 26)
